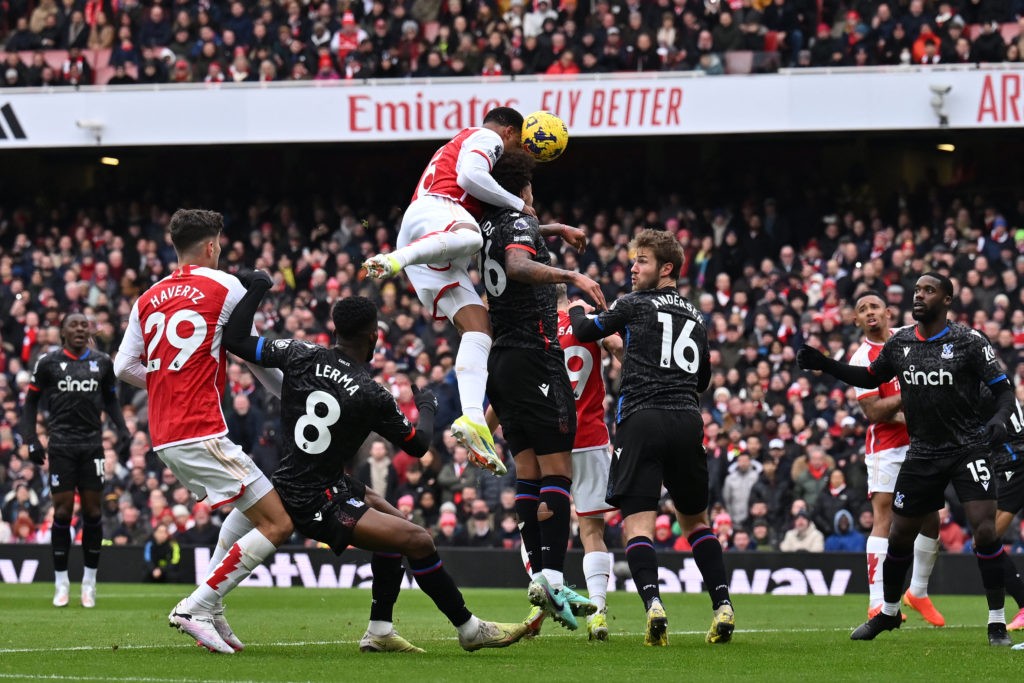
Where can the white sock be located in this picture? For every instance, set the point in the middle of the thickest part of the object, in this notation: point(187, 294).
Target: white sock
point(597, 566)
point(89, 576)
point(926, 551)
point(877, 548)
point(61, 578)
point(470, 628)
point(235, 525)
point(380, 628)
point(997, 616)
point(891, 608)
point(245, 555)
point(554, 577)
point(440, 247)
point(471, 373)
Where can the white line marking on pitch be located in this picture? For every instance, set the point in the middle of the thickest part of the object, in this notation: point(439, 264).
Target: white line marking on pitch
point(545, 635)
point(129, 679)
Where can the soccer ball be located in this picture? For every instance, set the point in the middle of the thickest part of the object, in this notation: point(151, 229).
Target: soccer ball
point(545, 135)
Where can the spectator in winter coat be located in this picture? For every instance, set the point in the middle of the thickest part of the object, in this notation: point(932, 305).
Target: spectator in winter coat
point(737, 488)
point(804, 536)
point(845, 537)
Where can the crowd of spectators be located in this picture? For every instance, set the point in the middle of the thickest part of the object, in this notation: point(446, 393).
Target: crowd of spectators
point(179, 41)
point(785, 448)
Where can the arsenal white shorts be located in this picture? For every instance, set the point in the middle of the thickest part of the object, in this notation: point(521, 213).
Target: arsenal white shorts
point(590, 480)
point(883, 467)
point(443, 288)
point(218, 471)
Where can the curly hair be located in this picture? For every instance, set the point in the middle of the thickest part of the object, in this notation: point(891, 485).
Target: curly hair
point(353, 316)
point(514, 171)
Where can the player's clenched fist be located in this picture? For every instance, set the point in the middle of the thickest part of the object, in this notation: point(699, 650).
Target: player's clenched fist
point(425, 398)
point(809, 358)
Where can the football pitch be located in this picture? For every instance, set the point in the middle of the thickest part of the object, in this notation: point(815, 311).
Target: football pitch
point(300, 634)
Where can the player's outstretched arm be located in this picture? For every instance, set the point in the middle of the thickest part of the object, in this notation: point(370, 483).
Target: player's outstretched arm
point(238, 337)
point(605, 324)
point(521, 268)
point(574, 237)
point(475, 178)
point(810, 358)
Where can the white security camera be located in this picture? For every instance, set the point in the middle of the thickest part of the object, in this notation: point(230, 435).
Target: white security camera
point(938, 102)
point(93, 126)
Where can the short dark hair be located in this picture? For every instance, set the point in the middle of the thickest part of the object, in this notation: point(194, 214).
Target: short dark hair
point(189, 227)
point(353, 316)
point(944, 282)
point(867, 292)
point(68, 316)
point(514, 171)
point(505, 116)
point(663, 245)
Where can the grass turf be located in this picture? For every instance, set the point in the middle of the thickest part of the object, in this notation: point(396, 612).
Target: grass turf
point(303, 634)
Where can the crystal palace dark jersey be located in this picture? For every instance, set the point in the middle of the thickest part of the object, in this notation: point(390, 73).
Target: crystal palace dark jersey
point(941, 380)
point(329, 405)
point(523, 316)
point(75, 390)
point(666, 360)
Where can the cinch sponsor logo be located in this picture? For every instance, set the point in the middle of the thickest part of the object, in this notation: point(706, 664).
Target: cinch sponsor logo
point(68, 384)
point(13, 125)
point(935, 378)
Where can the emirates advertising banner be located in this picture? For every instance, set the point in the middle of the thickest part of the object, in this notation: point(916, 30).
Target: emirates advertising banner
point(615, 105)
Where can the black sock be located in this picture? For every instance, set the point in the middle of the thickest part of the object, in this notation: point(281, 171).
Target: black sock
point(387, 582)
point(527, 500)
point(990, 563)
point(60, 538)
point(92, 539)
point(554, 531)
point(435, 581)
point(707, 553)
point(643, 565)
point(1014, 585)
point(894, 575)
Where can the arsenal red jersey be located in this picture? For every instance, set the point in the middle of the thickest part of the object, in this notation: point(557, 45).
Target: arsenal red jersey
point(175, 329)
point(441, 175)
point(583, 361)
point(883, 435)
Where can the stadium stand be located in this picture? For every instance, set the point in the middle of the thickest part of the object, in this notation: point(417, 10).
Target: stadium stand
point(245, 40)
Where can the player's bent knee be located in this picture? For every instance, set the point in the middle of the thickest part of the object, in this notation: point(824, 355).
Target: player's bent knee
point(277, 531)
point(419, 544)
